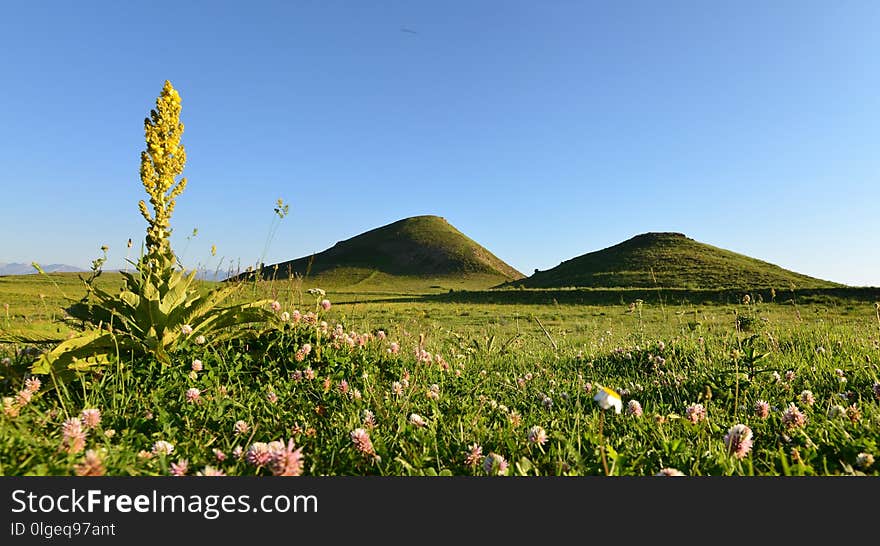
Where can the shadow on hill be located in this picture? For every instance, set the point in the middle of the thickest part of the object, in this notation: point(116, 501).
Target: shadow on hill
point(625, 296)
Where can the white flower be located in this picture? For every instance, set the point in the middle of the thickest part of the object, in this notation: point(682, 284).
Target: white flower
point(607, 398)
point(417, 420)
point(162, 447)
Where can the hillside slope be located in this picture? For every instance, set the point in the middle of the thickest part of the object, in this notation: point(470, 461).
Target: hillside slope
point(420, 247)
point(669, 260)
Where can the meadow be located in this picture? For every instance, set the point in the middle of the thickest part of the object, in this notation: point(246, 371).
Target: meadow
point(412, 381)
point(427, 370)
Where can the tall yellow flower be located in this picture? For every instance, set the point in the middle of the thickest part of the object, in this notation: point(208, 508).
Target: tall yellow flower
point(161, 165)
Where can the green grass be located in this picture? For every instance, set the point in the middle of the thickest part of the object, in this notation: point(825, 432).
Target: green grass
point(669, 260)
point(505, 360)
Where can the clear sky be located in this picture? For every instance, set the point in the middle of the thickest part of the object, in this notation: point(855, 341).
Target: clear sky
point(543, 130)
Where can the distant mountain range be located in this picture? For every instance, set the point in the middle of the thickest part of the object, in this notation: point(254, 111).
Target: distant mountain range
point(27, 269)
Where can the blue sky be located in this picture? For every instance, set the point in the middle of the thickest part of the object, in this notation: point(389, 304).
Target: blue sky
point(543, 130)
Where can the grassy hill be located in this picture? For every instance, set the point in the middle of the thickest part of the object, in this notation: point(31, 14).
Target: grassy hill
point(425, 250)
point(669, 260)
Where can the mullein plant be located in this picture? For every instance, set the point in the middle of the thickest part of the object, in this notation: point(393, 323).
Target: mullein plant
point(159, 307)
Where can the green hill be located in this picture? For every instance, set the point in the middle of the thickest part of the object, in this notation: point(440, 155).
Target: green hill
point(418, 249)
point(669, 260)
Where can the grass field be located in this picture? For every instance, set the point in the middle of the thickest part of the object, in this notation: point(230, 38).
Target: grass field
point(412, 379)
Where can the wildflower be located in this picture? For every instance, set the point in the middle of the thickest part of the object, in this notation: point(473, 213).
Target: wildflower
point(6, 361)
point(343, 386)
point(23, 397)
point(474, 456)
point(210, 471)
point(695, 413)
point(537, 435)
point(258, 454)
point(193, 395)
point(91, 465)
point(397, 388)
point(838, 372)
point(90, 417)
point(515, 418)
point(836, 411)
point(317, 292)
point(424, 356)
point(237, 452)
point(369, 419)
point(864, 460)
point(186, 329)
point(417, 420)
point(219, 455)
point(394, 348)
point(180, 467)
point(109, 433)
point(73, 437)
point(776, 377)
point(495, 465)
point(325, 305)
point(381, 334)
point(608, 398)
point(790, 375)
point(792, 417)
point(200, 340)
point(296, 316)
point(547, 402)
point(276, 306)
point(162, 447)
point(309, 373)
point(854, 414)
point(240, 427)
point(762, 409)
point(434, 392)
point(285, 316)
point(285, 460)
point(197, 365)
point(271, 397)
point(361, 439)
point(738, 440)
point(144, 454)
point(634, 408)
point(356, 394)
point(669, 472)
point(807, 398)
point(588, 387)
point(32, 384)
